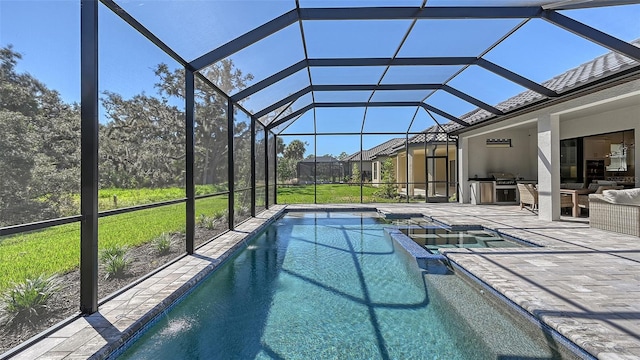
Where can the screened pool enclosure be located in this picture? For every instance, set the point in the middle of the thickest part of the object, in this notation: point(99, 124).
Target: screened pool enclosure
point(195, 116)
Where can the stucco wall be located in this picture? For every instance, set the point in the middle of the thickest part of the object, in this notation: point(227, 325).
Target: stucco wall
point(419, 171)
point(625, 118)
point(519, 160)
point(366, 165)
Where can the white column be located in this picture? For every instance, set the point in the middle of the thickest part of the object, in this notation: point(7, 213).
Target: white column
point(410, 178)
point(463, 169)
point(431, 170)
point(399, 173)
point(549, 167)
point(637, 156)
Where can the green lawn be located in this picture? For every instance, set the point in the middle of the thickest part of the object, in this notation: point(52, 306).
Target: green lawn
point(57, 249)
point(329, 194)
point(132, 197)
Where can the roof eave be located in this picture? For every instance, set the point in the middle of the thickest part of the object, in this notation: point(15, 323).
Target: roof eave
point(612, 80)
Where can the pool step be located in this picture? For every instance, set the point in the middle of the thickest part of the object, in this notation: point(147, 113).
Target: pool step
point(388, 215)
point(410, 246)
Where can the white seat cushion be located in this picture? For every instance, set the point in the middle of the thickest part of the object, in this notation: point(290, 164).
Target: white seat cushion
point(628, 196)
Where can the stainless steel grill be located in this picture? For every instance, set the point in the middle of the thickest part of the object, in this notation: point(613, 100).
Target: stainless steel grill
point(506, 182)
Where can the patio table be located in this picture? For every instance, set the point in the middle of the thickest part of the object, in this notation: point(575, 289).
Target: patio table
point(575, 212)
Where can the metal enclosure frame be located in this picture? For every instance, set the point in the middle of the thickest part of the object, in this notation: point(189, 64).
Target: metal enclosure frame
point(89, 103)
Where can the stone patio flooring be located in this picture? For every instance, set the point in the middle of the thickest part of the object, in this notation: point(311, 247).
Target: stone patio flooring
point(583, 282)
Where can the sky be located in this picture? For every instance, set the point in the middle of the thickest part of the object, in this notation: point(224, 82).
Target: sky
point(47, 34)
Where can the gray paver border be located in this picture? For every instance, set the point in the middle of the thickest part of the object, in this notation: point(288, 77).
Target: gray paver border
point(557, 336)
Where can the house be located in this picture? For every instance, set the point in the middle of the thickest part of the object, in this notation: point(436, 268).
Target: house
point(426, 163)
point(588, 132)
point(367, 161)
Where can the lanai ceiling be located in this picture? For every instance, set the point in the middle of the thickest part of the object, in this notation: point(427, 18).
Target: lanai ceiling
point(346, 63)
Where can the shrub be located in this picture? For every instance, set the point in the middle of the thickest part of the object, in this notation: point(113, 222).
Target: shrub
point(207, 222)
point(387, 188)
point(115, 261)
point(355, 175)
point(27, 300)
point(220, 214)
point(242, 210)
point(163, 243)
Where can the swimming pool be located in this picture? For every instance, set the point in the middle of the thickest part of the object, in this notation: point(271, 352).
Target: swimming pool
point(334, 285)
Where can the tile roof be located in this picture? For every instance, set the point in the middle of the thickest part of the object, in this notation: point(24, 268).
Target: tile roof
point(434, 133)
point(604, 65)
point(368, 155)
point(599, 67)
point(324, 158)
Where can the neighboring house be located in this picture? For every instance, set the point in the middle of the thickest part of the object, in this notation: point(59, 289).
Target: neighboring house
point(367, 162)
point(425, 164)
point(328, 170)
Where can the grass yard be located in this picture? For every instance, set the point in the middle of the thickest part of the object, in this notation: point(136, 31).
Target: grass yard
point(132, 197)
point(57, 249)
point(329, 194)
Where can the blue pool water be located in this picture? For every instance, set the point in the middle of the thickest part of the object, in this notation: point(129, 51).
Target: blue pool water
point(334, 286)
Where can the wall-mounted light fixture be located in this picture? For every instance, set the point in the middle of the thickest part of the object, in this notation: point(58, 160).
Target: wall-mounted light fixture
point(499, 143)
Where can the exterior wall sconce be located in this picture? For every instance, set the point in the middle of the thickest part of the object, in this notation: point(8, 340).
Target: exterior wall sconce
point(499, 143)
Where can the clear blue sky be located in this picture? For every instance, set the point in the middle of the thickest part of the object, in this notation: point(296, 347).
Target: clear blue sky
point(47, 34)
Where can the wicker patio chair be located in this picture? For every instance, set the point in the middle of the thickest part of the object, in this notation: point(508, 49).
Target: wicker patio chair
point(528, 196)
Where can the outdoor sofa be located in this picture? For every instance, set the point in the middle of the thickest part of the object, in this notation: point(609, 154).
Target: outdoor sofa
point(616, 210)
point(583, 199)
point(596, 187)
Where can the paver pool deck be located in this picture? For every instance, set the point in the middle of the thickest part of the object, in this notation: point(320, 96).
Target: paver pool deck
point(582, 282)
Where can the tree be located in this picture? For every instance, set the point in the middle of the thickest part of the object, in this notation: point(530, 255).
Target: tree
point(355, 174)
point(387, 188)
point(143, 143)
point(343, 155)
point(280, 146)
point(210, 115)
point(287, 164)
point(242, 152)
point(287, 169)
point(16, 164)
point(295, 150)
point(39, 147)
